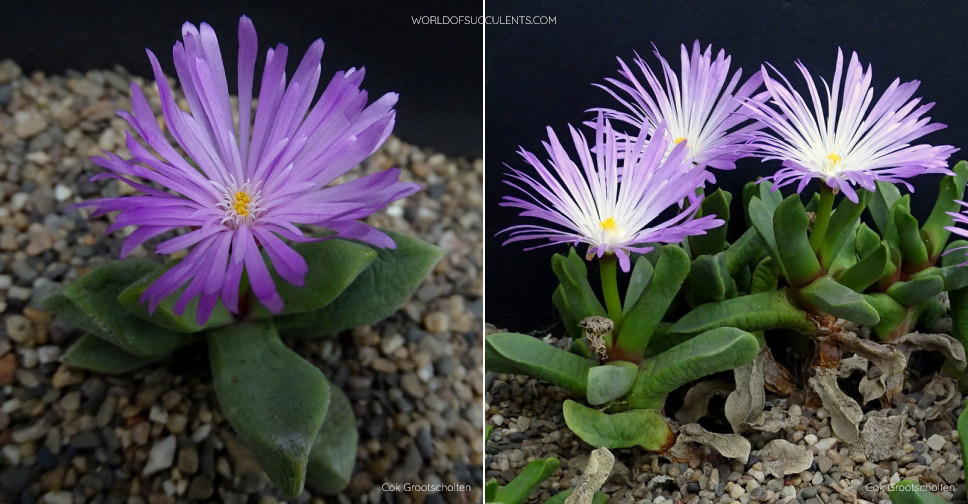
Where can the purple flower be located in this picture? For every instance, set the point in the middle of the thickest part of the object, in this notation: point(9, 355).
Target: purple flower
point(586, 201)
point(959, 218)
point(703, 107)
point(852, 141)
point(241, 191)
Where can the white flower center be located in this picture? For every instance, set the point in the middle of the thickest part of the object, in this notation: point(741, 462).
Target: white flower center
point(832, 164)
point(610, 232)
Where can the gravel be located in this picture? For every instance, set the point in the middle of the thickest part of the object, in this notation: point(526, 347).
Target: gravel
point(529, 425)
point(156, 435)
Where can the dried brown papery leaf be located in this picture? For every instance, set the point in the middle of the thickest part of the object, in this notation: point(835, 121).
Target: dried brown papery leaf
point(695, 404)
point(781, 457)
point(888, 359)
point(776, 377)
point(599, 466)
point(749, 398)
point(881, 436)
point(845, 413)
point(774, 420)
point(952, 349)
point(731, 446)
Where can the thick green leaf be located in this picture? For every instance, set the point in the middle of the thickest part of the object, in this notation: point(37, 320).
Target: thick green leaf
point(709, 280)
point(868, 270)
point(747, 250)
point(640, 322)
point(955, 254)
point(272, 397)
point(635, 427)
point(916, 290)
point(333, 453)
point(95, 354)
point(866, 240)
point(573, 278)
point(527, 355)
point(762, 218)
point(639, 280)
point(914, 252)
point(955, 277)
point(610, 381)
point(567, 313)
point(525, 483)
point(931, 313)
point(490, 490)
point(950, 190)
point(713, 240)
point(663, 340)
point(750, 191)
point(963, 433)
point(164, 315)
point(376, 293)
point(91, 303)
point(881, 203)
point(895, 320)
point(843, 220)
point(890, 233)
point(790, 224)
point(828, 296)
point(767, 195)
point(765, 277)
point(912, 492)
point(959, 315)
point(574, 298)
point(953, 271)
point(954, 257)
point(755, 312)
point(847, 256)
point(333, 266)
point(710, 352)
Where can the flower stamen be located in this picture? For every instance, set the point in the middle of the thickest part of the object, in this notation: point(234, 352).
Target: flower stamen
point(241, 205)
point(834, 158)
point(608, 224)
point(679, 140)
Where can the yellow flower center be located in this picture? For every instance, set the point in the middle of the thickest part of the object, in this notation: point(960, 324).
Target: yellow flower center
point(834, 159)
point(241, 203)
point(608, 224)
point(679, 140)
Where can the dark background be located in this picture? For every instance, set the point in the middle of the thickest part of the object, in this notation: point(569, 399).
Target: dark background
point(436, 69)
point(543, 75)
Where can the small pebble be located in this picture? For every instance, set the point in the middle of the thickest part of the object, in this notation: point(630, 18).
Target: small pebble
point(161, 456)
point(936, 442)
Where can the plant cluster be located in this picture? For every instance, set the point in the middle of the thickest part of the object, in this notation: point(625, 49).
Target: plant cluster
point(640, 196)
point(246, 194)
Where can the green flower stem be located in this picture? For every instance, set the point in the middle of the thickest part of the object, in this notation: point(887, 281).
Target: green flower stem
point(824, 209)
point(607, 267)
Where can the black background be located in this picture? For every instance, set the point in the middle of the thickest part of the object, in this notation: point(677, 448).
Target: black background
point(542, 75)
point(436, 69)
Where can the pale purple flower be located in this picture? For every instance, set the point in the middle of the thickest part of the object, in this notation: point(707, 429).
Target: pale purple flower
point(703, 106)
point(586, 201)
point(846, 138)
point(959, 218)
point(243, 190)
